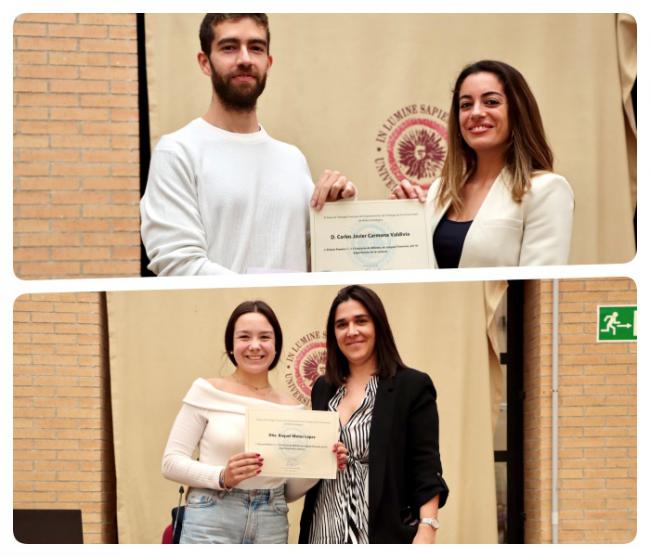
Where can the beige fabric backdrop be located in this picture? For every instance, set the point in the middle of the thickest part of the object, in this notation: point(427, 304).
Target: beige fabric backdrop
point(161, 341)
point(626, 36)
point(337, 78)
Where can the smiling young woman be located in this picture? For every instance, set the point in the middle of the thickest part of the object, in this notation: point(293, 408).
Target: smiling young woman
point(229, 500)
point(483, 116)
point(497, 202)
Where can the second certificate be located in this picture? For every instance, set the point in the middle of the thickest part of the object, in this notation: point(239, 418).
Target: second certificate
point(294, 444)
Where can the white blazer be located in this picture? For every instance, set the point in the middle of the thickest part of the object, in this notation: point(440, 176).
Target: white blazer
point(504, 233)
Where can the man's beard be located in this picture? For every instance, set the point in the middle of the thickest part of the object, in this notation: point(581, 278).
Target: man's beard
point(234, 98)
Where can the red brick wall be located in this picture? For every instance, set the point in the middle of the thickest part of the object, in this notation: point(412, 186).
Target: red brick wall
point(597, 409)
point(76, 155)
point(63, 448)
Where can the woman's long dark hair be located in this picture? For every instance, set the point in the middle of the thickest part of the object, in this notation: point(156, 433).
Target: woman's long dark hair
point(528, 150)
point(254, 306)
point(337, 367)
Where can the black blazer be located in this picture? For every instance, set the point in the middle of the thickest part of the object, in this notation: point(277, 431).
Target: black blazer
point(404, 464)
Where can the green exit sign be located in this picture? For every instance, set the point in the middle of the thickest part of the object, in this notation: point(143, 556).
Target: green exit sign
point(616, 323)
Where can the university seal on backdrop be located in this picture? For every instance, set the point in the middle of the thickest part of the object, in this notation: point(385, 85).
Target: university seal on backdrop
point(305, 363)
point(412, 145)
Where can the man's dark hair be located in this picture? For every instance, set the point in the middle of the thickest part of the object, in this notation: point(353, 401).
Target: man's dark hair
point(206, 31)
point(337, 367)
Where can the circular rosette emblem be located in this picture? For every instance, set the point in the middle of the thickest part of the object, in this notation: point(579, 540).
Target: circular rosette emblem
point(416, 150)
point(309, 365)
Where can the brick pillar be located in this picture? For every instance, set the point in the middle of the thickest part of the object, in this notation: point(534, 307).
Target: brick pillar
point(63, 441)
point(76, 158)
point(597, 409)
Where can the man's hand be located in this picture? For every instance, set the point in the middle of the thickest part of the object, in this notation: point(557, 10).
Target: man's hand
point(331, 186)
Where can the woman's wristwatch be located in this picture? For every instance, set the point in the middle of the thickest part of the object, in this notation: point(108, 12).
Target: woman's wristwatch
point(222, 480)
point(433, 522)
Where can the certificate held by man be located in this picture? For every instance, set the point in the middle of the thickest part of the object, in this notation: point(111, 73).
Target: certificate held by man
point(370, 236)
point(293, 444)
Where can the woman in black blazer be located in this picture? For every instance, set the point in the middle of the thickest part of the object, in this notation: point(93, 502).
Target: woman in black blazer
point(392, 488)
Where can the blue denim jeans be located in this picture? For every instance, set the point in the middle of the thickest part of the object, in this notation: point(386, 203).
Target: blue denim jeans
point(238, 516)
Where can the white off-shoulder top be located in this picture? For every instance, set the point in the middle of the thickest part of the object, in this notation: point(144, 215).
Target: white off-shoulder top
point(214, 421)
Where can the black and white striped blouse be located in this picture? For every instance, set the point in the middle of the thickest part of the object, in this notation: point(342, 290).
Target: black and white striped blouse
point(341, 511)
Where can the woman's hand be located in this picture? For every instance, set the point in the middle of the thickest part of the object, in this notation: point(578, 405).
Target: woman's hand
point(406, 190)
point(240, 467)
point(425, 534)
point(342, 455)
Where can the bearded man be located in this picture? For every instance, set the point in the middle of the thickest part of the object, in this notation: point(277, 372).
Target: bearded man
point(223, 196)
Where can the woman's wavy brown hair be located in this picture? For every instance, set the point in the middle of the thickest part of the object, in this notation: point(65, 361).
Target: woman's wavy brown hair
point(526, 153)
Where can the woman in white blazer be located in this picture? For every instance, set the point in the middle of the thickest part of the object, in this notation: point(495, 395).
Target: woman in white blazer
point(497, 201)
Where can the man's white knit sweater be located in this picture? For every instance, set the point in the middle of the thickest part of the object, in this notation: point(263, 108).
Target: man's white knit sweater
point(218, 202)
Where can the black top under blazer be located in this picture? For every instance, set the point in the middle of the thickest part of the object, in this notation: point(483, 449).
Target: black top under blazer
point(404, 464)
